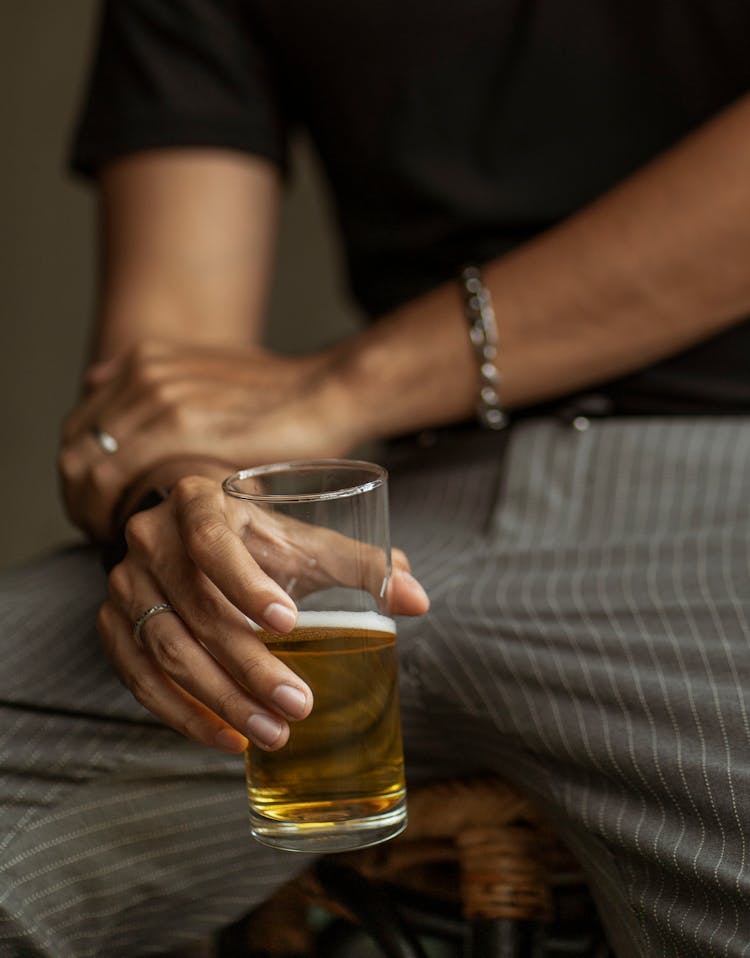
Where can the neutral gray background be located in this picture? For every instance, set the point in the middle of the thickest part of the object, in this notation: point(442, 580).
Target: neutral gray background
point(47, 258)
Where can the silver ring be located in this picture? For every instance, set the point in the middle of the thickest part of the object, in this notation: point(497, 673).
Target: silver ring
point(145, 616)
point(106, 440)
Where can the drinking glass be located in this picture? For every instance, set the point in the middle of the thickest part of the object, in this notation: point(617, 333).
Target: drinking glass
point(320, 529)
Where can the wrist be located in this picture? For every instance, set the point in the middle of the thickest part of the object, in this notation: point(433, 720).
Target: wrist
point(332, 402)
point(413, 369)
point(163, 475)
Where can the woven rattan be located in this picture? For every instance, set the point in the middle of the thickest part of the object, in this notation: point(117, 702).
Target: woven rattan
point(476, 841)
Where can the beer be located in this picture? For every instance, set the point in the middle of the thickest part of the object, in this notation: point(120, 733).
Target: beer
point(344, 762)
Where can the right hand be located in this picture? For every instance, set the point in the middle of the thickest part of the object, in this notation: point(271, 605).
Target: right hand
point(201, 669)
point(166, 400)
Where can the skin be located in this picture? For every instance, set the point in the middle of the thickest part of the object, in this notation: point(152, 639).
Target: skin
point(649, 269)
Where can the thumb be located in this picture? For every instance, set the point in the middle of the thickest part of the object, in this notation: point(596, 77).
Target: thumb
point(405, 595)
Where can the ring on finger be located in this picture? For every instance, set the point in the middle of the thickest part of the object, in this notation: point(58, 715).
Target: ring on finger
point(143, 618)
point(107, 442)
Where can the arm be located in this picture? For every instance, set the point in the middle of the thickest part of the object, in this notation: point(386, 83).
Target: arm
point(187, 249)
point(651, 268)
point(187, 240)
point(648, 270)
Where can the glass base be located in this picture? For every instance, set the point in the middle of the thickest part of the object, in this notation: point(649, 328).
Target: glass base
point(316, 837)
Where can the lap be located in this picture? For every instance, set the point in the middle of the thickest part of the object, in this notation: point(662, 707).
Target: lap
point(589, 637)
point(117, 836)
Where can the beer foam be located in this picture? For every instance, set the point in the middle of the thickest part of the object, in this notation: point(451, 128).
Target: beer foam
point(367, 621)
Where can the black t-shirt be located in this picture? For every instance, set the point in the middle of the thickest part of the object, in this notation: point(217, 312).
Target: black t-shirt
point(450, 131)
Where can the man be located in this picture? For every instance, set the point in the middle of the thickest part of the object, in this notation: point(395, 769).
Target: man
point(589, 622)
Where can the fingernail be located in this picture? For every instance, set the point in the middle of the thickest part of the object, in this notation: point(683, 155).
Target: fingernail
point(263, 729)
point(290, 700)
point(414, 583)
point(230, 741)
point(279, 617)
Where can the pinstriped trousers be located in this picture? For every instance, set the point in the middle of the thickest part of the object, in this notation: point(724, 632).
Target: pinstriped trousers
point(589, 639)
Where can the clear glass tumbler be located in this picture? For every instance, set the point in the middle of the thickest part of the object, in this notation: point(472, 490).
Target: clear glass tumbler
point(320, 529)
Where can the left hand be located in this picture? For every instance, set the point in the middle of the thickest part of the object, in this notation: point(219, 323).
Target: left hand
point(213, 560)
point(164, 401)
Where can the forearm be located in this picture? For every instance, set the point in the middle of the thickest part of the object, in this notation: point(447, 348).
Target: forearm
point(651, 268)
point(187, 242)
point(186, 246)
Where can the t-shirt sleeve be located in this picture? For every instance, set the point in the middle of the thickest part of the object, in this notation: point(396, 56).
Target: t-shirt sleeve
point(171, 73)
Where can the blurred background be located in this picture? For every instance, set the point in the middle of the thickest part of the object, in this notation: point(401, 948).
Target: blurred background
point(47, 263)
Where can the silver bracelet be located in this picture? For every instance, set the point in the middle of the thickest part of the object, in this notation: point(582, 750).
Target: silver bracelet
point(483, 335)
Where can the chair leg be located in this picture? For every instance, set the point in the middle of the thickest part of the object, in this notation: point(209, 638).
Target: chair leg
point(501, 938)
point(371, 906)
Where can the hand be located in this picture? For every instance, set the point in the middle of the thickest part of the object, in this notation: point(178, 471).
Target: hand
point(163, 401)
point(201, 669)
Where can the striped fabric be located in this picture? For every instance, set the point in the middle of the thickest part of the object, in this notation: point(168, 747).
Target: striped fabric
point(589, 640)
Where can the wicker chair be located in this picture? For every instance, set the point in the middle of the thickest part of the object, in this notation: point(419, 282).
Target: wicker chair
point(477, 866)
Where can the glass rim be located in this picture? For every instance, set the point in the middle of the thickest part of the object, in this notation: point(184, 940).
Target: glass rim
point(379, 473)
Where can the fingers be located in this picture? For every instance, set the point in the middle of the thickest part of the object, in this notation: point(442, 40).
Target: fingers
point(91, 485)
point(247, 566)
point(163, 401)
point(406, 595)
point(202, 668)
point(144, 377)
point(152, 687)
point(94, 482)
point(93, 478)
point(307, 558)
point(115, 384)
point(233, 643)
point(91, 481)
point(149, 404)
point(84, 417)
point(212, 651)
point(214, 546)
point(221, 677)
point(399, 560)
